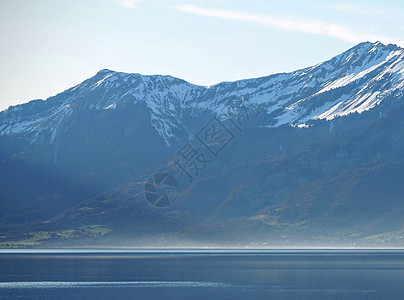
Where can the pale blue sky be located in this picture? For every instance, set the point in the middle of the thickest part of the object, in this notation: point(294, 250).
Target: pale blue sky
point(48, 46)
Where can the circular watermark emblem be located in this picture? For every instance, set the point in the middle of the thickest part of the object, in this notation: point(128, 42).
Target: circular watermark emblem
point(161, 190)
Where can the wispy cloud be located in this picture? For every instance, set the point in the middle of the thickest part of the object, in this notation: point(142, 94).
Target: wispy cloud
point(358, 10)
point(134, 3)
point(128, 3)
point(289, 24)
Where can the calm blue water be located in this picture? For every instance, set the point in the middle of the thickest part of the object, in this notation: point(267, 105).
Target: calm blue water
point(186, 274)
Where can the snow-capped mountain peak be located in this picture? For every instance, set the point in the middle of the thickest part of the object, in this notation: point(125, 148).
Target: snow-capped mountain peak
point(355, 81)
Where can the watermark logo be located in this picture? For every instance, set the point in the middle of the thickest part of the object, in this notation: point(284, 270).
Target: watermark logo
point(161, 190)
point(195, 155)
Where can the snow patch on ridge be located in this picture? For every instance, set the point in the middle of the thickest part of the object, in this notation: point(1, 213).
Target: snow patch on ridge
point(354, 81)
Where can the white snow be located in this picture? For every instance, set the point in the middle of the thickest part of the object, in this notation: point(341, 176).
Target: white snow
point(287, 98)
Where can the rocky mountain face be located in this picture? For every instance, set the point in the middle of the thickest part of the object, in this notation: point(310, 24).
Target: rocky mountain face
point(312, 156)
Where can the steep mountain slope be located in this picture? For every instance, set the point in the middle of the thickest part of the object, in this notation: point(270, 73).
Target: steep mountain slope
point(342, 187)
point(81, 158)
point(354, 81)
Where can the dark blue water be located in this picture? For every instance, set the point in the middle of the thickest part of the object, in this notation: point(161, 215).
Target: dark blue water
point(220, 274)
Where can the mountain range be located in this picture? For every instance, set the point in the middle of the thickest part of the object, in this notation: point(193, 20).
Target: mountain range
point(313, 157)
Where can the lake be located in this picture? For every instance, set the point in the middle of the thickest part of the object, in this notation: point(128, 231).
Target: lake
point(201, 274)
